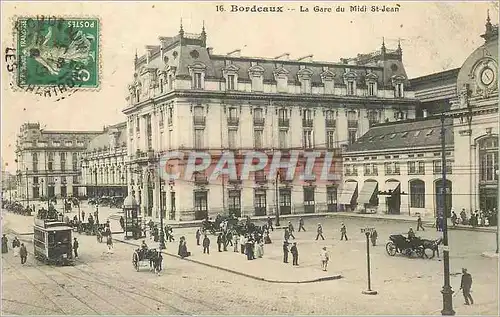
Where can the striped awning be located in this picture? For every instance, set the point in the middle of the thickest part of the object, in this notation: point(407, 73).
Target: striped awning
point(347, 193)
point(393, 187)
point(367, 192)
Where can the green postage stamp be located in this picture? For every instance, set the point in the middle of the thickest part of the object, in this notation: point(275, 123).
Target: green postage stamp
point(58, 51)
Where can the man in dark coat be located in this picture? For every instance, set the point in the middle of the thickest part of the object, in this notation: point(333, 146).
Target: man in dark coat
point(419, 223)
point(122, 222)
point(343, 232)
point(198, 236)
point(206, 245)
point(466, 285)
point(291, 230)
point(23, 253)
point(219, 241)
point(285, 251)
point(75, 247)
point(5, 245)
point(295, 254)
point(319, 232)
point(270, 224)
point(301, 224)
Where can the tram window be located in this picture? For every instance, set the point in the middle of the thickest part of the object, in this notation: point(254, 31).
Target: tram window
point(51, 237)
point(63, 236)
point(38, 235)
point(39, 244)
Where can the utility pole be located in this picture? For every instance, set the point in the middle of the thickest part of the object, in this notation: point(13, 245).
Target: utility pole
point(276, 189)
point(27, 190)
point(447, 290)
point(162, 232)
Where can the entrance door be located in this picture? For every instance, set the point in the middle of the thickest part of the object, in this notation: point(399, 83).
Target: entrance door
point(285, 201)
point(51, 192)
point(488, 198)
point(200, 205)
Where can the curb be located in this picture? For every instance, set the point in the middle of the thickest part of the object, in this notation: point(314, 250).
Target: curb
point(321, 279)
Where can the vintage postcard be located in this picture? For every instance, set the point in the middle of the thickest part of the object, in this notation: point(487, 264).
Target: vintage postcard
point(250, 158)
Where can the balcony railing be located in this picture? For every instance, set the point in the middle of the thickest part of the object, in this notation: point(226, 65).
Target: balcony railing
point(282, 122)
point(258, 121)
point(232, 121)
point(260, 178)
point(199, 120)
point(330, 123)
point(200, 179)
point(352, 124)
point(307, 123)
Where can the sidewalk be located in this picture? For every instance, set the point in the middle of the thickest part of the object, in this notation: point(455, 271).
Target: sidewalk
point(262, 269)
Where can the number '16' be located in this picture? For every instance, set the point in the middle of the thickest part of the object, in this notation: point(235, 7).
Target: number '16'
point(219, 8)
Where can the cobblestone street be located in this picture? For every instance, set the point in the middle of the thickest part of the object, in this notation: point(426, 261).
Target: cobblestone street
point(102, 283)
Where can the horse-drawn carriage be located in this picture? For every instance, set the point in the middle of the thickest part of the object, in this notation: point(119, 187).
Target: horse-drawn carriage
point(17, 208)
point(116, 202)
point(412, 246)
point(143, 256)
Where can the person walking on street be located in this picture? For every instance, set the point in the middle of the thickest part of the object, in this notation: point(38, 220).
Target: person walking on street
point(287, 234)
point(301, 225)
point(83, 216)
point(295, 254)
point(285, 251)
point(454, 218)
point(291, 229)
point(23, 253)
point(109, 243)
point(325, 257)
point(5, 244)
point(270, 223)
point(75, 247)
point(373, 237)
point(419, 223)
point(319, 232)
point(198, 236)
point(219, 241)
point(343, 232)
point(465, 286)
point(206, 245)
point(236, 240)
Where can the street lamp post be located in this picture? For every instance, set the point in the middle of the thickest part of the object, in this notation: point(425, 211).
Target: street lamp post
point(152, 173)
point(447, 290)
point(367, 232)
point(276, 184)
point(27, 190)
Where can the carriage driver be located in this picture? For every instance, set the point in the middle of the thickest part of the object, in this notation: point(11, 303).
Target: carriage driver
point(411, 234)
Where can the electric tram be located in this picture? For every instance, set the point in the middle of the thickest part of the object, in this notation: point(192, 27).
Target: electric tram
point(52, 241)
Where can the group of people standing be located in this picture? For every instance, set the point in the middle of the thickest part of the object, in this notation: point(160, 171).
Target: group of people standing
point(18, 248)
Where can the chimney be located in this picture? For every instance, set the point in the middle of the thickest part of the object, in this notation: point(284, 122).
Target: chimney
point(283, 57)
point(210, 50)
point(307, 58)
point(235, 53)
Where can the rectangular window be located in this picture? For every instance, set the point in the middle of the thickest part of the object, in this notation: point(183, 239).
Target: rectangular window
point(199, 138)
point(197, 81)
point(283, 139)
point(330, 139)
point(257, 84)
point(234, 202)
point(35, 161)
point(138, 125)
point(259, 202)
point(307, 139)
point(308, 196)
point(396, 168)
point(75, 179)
point(149, 132)
point(398, 91)
point(352, 136)
point(305, 86)
point(74, 161)
point(282, 84)
point(232, 137)
point(412, 168)
point(421, 168)
point(170, 115)
point(367, 169)
point(388, 169)
point(170, 82)
point(257, 139)
point(331, 195)
point(231, 84)
point(170, 141)
point(62, 156)
point(161, 85)
point(371, 89)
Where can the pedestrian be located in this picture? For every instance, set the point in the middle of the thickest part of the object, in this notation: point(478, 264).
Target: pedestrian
point(243, 244)
point(249, 249)
point(419, 223)
point(454, 218)
point(301, 224)
point(291, 229)
point(198, 236)
point(319, 232)
point(465, 286)
point(285, 251)
point(109, 243)
point(270, 224)
point(122, 222)
point(343, 232)
point(325, 257)
point(5, 246)
point(206, 245)
point(75, 247)
point(16, 244)
point(23, 253)
point(219, 241)
point(83, 216)
point(287, 234)
point(373, 237)
point(236, 240)
point(295, 254)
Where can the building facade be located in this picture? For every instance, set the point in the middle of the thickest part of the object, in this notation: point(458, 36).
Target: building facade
point(475, 124)
point(104, 171)
point(48, 162)
point(405, 158)
point(186, 98)
point(395, 168)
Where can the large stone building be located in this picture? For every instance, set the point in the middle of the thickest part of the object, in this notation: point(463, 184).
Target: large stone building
point(185, 98)
point(104, 171)
point(410, 154)
point(48, 161)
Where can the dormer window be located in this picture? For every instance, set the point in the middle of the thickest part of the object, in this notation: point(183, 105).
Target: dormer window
point(398, 90)
point(350, 87)
point(371, 84)
point(371, 89)
point(256, 73)
point(327, 79)
point(231, 82)
point(304, 76)
point(281, 77)
point(197, 84)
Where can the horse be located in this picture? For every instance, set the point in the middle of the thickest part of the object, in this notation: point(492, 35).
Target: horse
point(432, 245)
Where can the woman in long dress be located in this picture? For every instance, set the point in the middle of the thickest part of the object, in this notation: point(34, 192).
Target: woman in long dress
point(260, 249)
point(16, 244)
point(5, 246)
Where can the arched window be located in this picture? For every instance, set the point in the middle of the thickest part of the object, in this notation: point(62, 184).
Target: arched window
point(488, 159)
point(417, 194)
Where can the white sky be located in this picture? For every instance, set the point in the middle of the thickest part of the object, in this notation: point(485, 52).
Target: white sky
point(435, 37)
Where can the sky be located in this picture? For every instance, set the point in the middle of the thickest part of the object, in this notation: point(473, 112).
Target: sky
point(435, 36)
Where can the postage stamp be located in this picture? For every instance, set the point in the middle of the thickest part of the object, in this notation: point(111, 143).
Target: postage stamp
point(58, 51)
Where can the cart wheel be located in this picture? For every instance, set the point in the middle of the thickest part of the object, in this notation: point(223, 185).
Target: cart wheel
point(420, 252)
point(390, 248)
point(429, 255)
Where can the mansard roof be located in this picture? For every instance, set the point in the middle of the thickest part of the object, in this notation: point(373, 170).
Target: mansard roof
point(102, 141)
point(406, 134)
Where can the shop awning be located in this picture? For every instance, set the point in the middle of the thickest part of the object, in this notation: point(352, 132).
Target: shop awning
point(367, 192)
point(393, 187)
point(347, 193)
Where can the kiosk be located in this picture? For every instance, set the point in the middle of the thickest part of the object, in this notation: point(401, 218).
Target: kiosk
point(133, 221)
